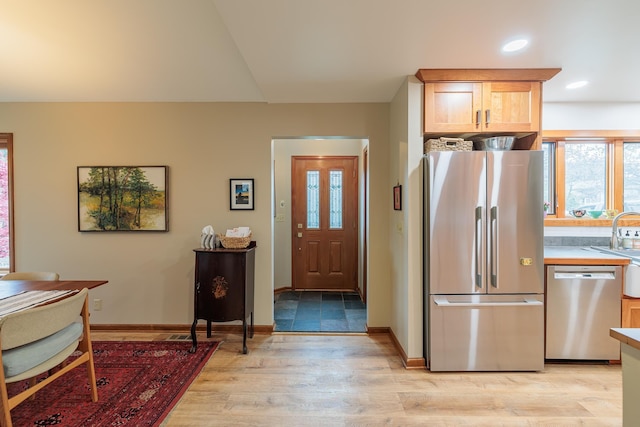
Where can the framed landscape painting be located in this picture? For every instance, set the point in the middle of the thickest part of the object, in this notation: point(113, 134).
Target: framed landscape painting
point(122, 198)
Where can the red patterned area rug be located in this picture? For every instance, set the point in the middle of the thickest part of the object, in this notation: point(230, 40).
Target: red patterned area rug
point(138, 384)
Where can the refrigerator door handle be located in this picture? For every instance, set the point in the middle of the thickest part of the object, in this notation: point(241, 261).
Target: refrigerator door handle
point(493, 247)
point(478, 240)
point(443, 301)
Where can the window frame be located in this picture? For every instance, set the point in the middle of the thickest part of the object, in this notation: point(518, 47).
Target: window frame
point(614, 141)
point(6, 141)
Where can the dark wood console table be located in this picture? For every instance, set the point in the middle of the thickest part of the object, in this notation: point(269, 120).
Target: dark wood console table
point(224, 284)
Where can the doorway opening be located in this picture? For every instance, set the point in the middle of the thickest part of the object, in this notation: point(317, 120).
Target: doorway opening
point(319, 192)
point(319, 311)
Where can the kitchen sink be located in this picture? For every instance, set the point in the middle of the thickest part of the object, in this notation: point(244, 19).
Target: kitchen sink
point(629, 253)
point(631, 272)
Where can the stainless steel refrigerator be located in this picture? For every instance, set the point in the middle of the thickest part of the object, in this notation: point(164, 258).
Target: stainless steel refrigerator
point(484, 261)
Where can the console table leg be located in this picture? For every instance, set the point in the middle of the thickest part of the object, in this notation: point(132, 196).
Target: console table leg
point(208, 328)
point(244, 336)
point(193, 337)
point(252, 325)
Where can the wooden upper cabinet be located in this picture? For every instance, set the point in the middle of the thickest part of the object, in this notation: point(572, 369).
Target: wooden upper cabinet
point(451, 107)
point(483, 101)
point(482, 107)
point(511, 106)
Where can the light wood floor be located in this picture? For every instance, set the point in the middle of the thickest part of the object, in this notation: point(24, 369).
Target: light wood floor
point(358, 380)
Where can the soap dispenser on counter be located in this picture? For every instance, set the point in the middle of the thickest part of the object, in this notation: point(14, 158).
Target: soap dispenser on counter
point(636, 241)
point(627, 241)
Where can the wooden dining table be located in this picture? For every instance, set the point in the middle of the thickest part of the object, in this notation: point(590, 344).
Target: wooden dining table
point(14, 287)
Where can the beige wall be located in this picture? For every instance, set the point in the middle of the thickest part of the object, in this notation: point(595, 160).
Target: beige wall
point(405, 228)
point(204, 144)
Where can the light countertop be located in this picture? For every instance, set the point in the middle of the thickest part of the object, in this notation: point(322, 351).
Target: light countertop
point(630, 336)
point(577, 255)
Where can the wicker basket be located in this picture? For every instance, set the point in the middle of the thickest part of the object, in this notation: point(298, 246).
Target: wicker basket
point(447, 144)
point(234, 242)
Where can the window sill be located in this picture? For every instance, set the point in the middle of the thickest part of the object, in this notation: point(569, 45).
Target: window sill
point(588, 222)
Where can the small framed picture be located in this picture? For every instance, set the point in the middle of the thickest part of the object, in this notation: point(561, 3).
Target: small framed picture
point(241, 194)
point(397, 197)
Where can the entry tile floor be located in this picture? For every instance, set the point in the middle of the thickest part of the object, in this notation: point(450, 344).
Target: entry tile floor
point(319, 311)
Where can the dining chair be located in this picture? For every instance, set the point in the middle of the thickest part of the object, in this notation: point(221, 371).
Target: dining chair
point(31, 275)
point(34, 340)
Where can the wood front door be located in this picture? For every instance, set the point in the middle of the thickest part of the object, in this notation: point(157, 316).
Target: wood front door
point(324, 205)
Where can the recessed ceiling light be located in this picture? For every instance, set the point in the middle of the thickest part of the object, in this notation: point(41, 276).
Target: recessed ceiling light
point(515, 45)
point(576, 85)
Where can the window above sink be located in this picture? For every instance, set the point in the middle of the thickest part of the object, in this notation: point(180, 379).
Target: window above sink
point(597, 172)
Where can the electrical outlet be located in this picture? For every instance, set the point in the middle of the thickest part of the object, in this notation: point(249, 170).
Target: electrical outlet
point(280, 218)
point(97, 304)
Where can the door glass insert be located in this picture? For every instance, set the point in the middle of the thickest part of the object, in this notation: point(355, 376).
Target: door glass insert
point(313, 199)
point(335, 199)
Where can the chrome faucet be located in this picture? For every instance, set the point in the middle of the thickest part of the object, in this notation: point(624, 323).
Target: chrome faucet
point(614, 228)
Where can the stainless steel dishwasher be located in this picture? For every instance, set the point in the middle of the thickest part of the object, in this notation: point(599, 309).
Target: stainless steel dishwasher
point(583, 303)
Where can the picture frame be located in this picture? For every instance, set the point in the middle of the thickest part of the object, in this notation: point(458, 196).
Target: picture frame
point(122, 198)
point(241, 194)
point(397, 197)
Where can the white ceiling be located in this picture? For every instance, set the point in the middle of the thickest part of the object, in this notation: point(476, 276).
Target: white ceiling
point(305, 51)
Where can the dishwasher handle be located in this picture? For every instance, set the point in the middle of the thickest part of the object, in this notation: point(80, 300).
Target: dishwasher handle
point(584, 275)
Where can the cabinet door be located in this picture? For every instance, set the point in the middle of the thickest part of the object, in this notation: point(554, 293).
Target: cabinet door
point(511, 106)
point(630, 313)
point(452, 107)
point(220, 286)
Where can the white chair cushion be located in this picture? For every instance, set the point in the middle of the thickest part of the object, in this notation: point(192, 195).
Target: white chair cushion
point(28, 356)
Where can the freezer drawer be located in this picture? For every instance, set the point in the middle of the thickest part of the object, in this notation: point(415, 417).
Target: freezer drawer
point(583, 304)
point(486, 333)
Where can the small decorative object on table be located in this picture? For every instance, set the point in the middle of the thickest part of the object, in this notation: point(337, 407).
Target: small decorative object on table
point(236, 238)
point(208, 238)
point(234, 242)
point(546, 207)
